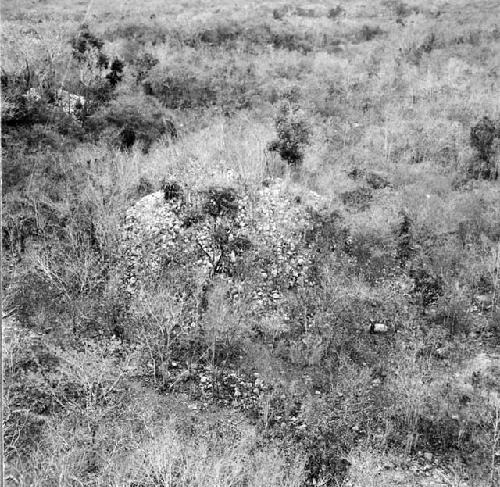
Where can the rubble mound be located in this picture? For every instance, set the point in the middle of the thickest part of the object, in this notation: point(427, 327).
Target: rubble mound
point(254, 239)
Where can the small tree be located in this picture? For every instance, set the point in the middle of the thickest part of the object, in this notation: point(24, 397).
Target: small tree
point(482, 136)
point(84, 42)
point(293, 133)
point(116, 73)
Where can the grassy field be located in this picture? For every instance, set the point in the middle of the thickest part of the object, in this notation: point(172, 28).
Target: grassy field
point(251, 243)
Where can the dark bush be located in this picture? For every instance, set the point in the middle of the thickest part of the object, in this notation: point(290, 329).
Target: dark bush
point(127, 138)
point(417, 156)
point(221, 202)
point(192, 218)
point(278, 13)
point(240, 244)
point(116, 74)
point(415, 53)
point(293, 134)
point(84, 42)
point(368, 33)
point(482, 136)
point(479, 168)
point(333, 13)
point(172, 190)
point(356, 173)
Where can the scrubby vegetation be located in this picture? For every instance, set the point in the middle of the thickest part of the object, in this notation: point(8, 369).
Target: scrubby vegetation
point(252, 245)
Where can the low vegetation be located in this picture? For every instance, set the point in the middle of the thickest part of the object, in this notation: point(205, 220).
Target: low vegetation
point(251, 246)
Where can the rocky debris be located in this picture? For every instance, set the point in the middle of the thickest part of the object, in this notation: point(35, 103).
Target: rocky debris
point(227, 387)
point(194, 230)
point(441, 353)
point(484, 301)
point(33, 95)
point(418, 472)
point(69, 102)
point(379, 328)
point(240, 390)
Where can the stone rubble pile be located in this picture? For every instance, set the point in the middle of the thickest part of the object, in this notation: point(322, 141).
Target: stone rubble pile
point(270, 220)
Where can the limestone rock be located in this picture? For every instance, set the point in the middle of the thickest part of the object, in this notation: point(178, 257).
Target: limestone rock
point(379, 328)
point(483, 300)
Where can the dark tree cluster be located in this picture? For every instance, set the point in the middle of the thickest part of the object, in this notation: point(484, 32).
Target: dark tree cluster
point(482, 137)
point(84, 42)
point(293, 133)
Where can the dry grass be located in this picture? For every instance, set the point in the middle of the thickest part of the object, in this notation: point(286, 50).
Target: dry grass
point(399, 102)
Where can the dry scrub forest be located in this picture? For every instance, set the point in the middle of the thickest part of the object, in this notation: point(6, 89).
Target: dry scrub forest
point(251, 243)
